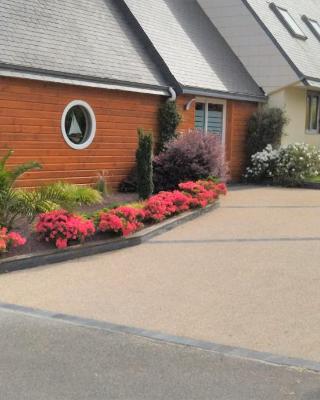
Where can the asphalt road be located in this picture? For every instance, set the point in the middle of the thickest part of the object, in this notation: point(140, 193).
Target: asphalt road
point(42, 359)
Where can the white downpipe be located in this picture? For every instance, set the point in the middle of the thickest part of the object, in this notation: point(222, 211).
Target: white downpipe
point(173, 94)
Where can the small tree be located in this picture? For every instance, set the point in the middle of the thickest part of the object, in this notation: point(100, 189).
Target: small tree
point(265, 127)
point(144, 165)
point(169, 120)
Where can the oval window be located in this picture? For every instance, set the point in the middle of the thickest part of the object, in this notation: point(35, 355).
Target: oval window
point(78, 125)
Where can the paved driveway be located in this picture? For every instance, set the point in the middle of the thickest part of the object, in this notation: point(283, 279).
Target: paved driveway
point(245, 275)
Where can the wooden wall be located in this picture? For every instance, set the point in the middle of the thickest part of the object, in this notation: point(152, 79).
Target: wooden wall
point(30, 119)
point(238, 114)
point(30, 115)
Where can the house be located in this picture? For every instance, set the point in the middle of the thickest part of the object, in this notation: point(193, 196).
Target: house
point(78, 77)
point(279, 44)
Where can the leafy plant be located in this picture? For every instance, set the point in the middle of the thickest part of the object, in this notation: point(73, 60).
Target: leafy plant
point(169, 120)
point(69, 195)
point(101, 184)
point(9, 177)
point(144, 165)
point(265, 127)
point(297, 162)
point(15, 203)
point(287, 166)
point(192, 156)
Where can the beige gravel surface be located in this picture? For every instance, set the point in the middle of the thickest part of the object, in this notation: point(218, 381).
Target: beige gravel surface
point(247, 274)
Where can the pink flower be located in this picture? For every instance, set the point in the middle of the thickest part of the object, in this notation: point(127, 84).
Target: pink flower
point(60, 227)
point(11, 239)
point(61, 243)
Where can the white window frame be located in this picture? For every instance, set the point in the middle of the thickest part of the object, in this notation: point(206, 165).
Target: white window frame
point(92, 124)
point(206, 102)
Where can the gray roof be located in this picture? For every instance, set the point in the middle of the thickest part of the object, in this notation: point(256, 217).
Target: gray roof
point(192, 48)
point(87, 39)
point(304, 55)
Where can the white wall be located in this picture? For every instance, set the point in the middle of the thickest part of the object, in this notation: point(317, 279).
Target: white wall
point(250, 43)
point(294, 101)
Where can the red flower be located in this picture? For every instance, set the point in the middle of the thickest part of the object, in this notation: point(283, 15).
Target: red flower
point(61, 227)
point(11, 239)
point(124, 220)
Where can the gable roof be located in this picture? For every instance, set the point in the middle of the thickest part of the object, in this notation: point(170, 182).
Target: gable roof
point(192, 49)
point(302, 55)
point(81, 40)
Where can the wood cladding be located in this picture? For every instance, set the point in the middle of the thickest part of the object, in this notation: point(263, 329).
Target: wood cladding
point(30, 120)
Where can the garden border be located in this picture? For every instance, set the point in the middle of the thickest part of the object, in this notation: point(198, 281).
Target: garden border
point(54, 256)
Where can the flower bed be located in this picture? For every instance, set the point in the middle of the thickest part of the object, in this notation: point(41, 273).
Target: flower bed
point(10, 239)
point(64, 229)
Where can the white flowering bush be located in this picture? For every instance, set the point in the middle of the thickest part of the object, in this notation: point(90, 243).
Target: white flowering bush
point(296, 163)
point(288, 166)
point(263, 165)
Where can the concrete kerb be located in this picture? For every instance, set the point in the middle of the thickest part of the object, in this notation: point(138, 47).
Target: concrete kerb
point(224, 350)
point(54, 256)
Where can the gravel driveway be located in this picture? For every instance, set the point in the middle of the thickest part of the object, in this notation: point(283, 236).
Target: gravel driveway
point(247, 274)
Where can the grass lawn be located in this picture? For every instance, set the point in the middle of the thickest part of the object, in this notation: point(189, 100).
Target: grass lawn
point(315, 179)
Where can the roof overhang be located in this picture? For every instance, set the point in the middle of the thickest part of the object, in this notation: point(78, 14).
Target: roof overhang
point(45, 76)
point(224, 95)
point(312, 83)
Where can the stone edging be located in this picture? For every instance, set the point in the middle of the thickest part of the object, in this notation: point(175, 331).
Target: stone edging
point(224, 350)
point(55, 256)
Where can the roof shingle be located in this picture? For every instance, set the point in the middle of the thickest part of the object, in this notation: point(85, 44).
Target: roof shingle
point(74, 37)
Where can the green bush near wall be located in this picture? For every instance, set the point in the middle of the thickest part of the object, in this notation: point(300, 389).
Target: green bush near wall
point(265, 127)
point(169, 120)
point(144, 157)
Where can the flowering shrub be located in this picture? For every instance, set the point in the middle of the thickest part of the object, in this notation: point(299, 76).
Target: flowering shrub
point(289, 166)
point(296, 163)
point(218, 187)
point(192, 156)
point(10, 239)
point(165, 204)
point(199, 195)
point(62, 227)
point(124, 220)
point(263, 165)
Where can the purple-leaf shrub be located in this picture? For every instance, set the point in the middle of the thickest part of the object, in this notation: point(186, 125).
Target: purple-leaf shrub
point(192, 156)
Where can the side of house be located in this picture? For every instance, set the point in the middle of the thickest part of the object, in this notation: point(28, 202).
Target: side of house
point(78, 80)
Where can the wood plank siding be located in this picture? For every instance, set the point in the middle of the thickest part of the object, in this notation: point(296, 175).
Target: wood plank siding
point(30, 120)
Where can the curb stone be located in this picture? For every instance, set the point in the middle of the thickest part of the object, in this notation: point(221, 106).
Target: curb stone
point(223, 350)
point(54, 256)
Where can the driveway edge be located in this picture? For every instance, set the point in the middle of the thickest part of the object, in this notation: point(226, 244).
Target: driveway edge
point(224, 350)
point(54, 256)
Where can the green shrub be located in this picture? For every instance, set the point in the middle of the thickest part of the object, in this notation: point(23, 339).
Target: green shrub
point(9, 177)
point(71, 195)
point(265, 127)
point(169, 120)
point(15, 203)
point(101, 184)
point(144, 165)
